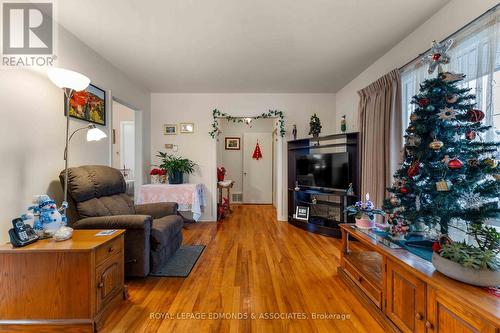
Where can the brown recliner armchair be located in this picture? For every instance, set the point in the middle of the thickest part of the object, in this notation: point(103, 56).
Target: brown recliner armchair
point(97, 200)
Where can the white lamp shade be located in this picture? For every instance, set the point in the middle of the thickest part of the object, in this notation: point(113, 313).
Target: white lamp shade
point(95, 134)
point(64, 78)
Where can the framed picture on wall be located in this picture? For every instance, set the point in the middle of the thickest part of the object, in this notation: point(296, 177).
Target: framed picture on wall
point(302, 213)
point(187, 128)
point(170, 129)
point(232, 143)
point(88, 105)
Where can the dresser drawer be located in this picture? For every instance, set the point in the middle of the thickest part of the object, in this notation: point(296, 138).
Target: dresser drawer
point(370, 289)
point(108, 249)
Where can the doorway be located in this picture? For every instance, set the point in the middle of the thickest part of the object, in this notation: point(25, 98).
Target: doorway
point(254, 179)
point(123, 143)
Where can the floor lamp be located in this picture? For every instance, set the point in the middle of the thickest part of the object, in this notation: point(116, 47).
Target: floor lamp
point(70, 82)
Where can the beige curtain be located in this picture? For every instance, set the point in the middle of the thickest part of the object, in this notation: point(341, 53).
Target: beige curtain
point(381, 134)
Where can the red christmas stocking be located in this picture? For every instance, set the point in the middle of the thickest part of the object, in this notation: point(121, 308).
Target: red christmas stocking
point(256, 153)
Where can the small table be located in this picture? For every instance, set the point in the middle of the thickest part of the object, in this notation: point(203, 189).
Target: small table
point(189, 197)
point(62, 286)
point(228, 185)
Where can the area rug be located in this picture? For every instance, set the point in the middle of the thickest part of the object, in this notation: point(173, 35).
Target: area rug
point(182, 262)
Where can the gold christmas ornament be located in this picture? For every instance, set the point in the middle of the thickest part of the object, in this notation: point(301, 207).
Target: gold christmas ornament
point(490, 162)
point(413, 117)
point(497, 176)
point(395, 201)
point(436, 144)
point(413, 140)
point(443, 185)
point(452, 98)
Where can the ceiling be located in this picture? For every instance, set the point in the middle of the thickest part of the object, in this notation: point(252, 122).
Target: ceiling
point(243, 45)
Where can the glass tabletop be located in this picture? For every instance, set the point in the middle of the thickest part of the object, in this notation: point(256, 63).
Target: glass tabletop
point(378, 237)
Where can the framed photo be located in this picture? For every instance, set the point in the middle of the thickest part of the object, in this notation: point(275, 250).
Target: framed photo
point(232, 143)
point(187, 127)
point(302, 213)
point(88, 105)
point(170, 129)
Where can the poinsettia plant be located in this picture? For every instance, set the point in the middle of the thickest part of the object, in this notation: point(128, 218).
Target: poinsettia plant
point(158, 172)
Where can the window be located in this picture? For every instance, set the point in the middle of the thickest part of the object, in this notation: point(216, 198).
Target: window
point(476, 53)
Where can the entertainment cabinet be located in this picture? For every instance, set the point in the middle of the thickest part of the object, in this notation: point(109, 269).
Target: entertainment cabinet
point(326, 206)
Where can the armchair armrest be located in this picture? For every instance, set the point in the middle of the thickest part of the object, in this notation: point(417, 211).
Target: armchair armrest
point(157, 210)
point(115, 222)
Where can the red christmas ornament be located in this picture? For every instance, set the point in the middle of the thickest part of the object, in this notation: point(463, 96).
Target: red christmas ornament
point(403, 190)
point(413, 169)
point(470, 135)
point(436, 56)
point(257, 153)
point(436, 247)
point(423, 102)
point(455, 164)
point(475, 115)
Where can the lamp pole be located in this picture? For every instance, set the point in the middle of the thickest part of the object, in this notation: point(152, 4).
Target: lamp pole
point(67, 94)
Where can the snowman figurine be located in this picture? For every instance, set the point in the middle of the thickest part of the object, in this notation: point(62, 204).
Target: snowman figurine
point(49, 217)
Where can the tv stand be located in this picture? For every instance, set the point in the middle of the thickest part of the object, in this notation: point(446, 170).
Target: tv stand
point(326, 205)
point(326, 210)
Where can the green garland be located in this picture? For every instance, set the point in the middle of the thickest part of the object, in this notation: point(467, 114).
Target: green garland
point(271, 114)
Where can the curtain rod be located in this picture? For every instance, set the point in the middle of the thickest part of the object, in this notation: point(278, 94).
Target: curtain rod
point(453, 34)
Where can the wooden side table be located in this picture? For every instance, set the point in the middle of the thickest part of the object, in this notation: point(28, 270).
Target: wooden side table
point(228, 187)
point(62, 286)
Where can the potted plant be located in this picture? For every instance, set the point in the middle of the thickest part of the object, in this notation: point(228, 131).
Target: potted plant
point(364, 213)
point(476, 264)
point(175, 167)
point(314, 126)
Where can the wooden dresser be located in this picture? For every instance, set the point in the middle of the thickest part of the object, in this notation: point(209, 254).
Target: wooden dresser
point(406, 294)
point(61, 286)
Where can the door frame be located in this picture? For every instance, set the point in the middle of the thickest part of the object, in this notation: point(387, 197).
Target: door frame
point(139, 139)
point(281, 190)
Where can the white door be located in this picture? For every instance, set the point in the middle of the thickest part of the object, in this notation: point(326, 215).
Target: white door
point(127, 149)
point(258, 174)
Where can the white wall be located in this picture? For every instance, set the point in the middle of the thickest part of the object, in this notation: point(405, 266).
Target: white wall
point(443, 23)
point(33, 126)
point(200, 147)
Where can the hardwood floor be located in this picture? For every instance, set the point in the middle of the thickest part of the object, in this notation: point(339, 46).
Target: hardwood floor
point(252, 264)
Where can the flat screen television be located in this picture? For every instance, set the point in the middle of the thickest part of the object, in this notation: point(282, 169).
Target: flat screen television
point(330, 171)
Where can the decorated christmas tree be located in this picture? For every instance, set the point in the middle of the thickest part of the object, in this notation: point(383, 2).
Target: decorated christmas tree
point(450, 172)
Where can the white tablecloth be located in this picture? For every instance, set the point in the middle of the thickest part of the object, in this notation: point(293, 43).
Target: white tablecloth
point(190, 197)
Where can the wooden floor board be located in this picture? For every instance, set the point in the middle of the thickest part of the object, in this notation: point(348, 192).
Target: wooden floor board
point(252, 264)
